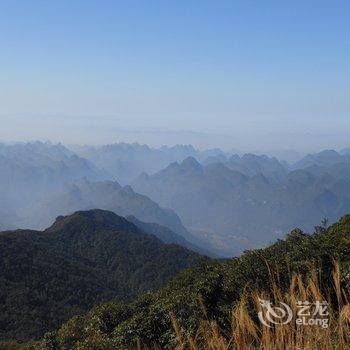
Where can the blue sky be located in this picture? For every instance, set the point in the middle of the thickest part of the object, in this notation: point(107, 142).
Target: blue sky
point(236, 74)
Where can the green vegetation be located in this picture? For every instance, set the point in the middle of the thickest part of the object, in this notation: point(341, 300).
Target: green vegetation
point(207, 291)
point(82, 260)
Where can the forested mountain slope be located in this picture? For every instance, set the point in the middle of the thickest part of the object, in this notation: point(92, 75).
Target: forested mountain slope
point(208, 291)
point(81, 260)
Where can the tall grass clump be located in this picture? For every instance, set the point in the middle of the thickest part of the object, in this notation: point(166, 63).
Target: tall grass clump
point(248, 332)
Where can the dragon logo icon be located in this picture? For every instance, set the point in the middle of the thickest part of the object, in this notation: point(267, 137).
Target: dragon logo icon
point(274, 315)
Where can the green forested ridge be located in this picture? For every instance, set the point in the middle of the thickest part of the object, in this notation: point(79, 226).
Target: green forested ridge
point(215, 284)
point(83, 259)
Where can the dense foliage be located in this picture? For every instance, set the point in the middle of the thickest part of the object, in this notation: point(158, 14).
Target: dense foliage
point(206, 291)
point(83, 259)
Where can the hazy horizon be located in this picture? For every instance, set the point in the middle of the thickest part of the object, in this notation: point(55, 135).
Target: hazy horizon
point(248, 76)
point(102, 131)
point(290, 155)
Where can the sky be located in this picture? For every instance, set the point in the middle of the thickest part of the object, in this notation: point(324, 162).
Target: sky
point(232, 74)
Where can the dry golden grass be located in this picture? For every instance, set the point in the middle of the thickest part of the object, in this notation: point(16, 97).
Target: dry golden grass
point(247, 332)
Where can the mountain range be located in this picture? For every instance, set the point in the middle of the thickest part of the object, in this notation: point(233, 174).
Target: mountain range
point(217, 202)
point(124, 162)
point(207, 197)
point(130, 243)
point(80, 261)
point(210, 292)
point(251, 164)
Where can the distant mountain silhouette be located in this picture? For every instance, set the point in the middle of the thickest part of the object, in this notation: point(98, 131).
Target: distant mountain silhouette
point(31, 170)
point(124, 162)
point(81, 260)
point(250, 164)
point(108, 195)
point(324, 158)
point(230, 202)
point(166, 235)
point(326, 162)
point(236, 211)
